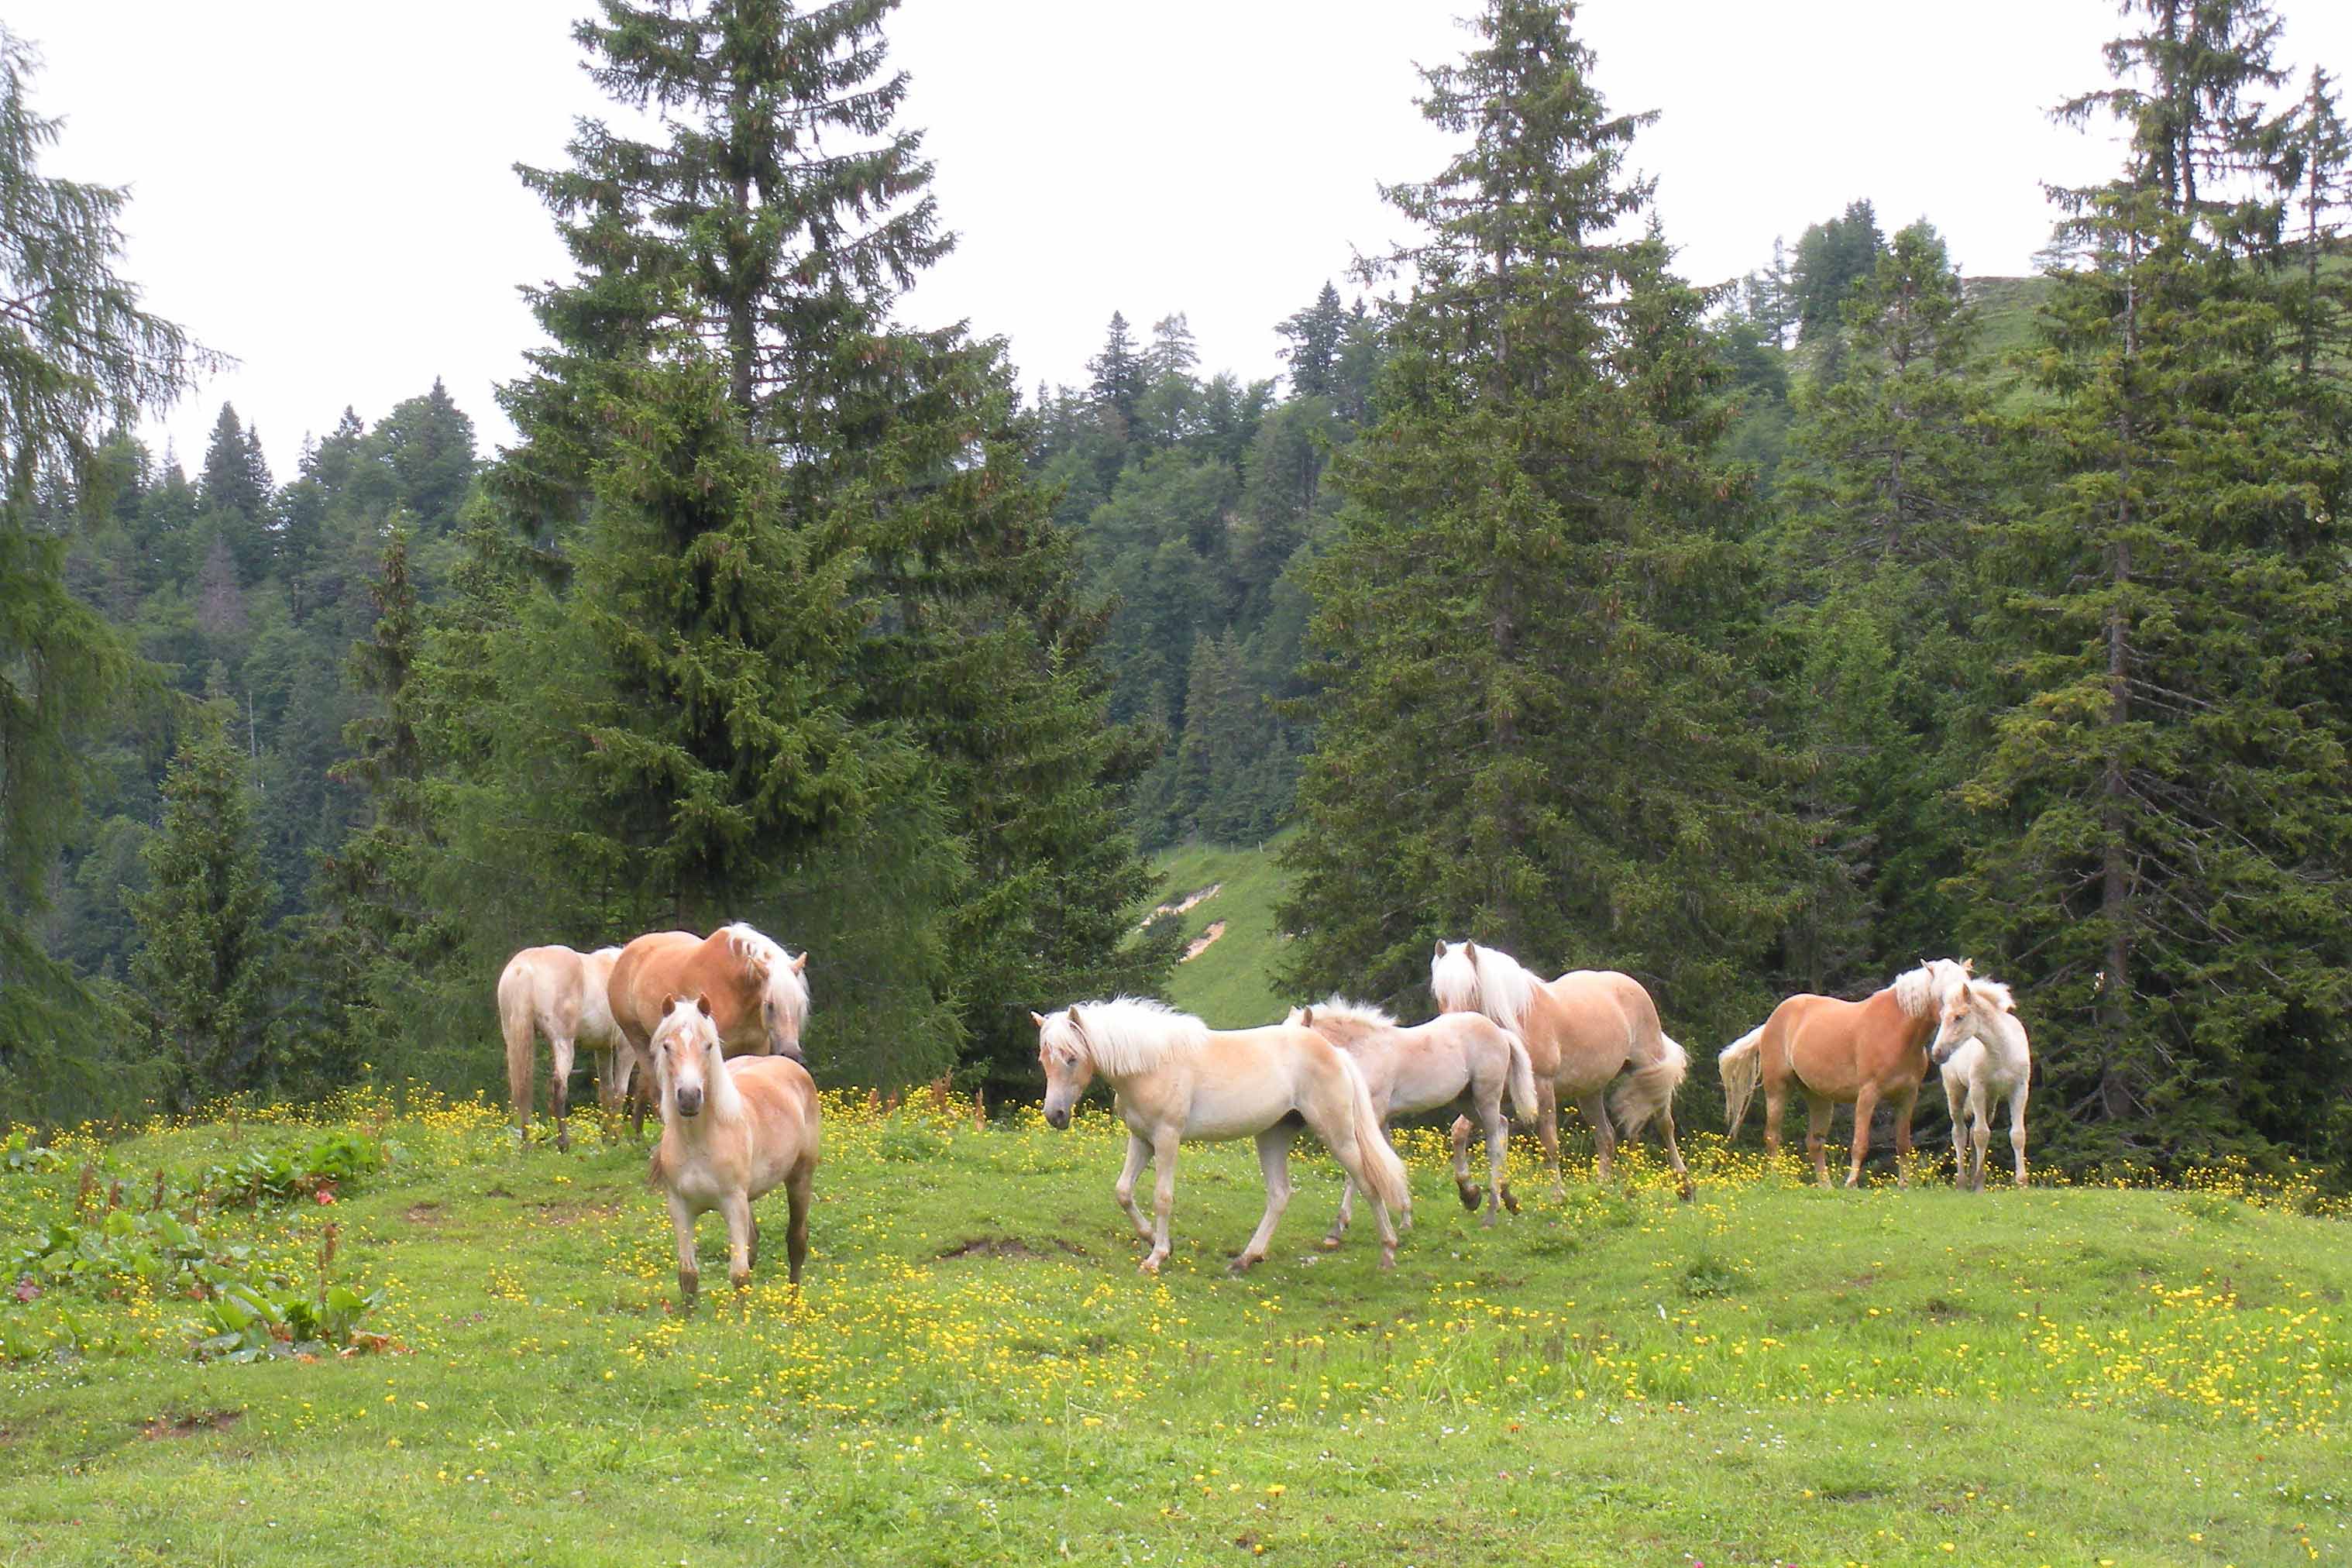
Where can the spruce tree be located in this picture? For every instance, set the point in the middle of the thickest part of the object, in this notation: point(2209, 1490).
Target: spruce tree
point(204, 953)
point(1117, 370)
point(1315, 334)
point(79, 358)
point(1538, 731)
point(2164, 867)
point(819, 604)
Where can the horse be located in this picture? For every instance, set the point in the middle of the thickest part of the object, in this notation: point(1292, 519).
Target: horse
point(556, 992)
point(732, 1131)
point(758, 994)
point(1581, 1031)
point(1842, 1053)
point(1178, 1078)
point(1981, 1047)
point(1425, 1067)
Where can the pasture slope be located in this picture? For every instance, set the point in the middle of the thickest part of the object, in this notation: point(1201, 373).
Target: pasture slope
point(1231, 983)
point(974, 1371)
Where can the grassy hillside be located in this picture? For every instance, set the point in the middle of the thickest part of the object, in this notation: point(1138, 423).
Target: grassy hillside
point(974, 1371)
point(1231, 983)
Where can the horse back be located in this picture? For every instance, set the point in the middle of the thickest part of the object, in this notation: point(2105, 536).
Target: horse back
point(1835, 1046)
point(646, 971)
point(780, 1099)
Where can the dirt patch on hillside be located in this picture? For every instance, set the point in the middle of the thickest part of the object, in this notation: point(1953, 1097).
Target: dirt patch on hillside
point(190, 1424)
point(1199, 944)
point(1008, 1247)
point(426, 1213)
point(572, 1212)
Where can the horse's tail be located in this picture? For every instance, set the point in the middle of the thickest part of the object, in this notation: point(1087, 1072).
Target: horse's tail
point(1522, 1078)
point(1383, 1171)
point(520, 1029)
point(1650, 1087)
point(1742, 1066)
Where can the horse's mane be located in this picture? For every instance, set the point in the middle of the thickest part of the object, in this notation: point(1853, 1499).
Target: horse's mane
point(1127, 1034)
point(768, 961)
point(1993, 994)
point(1360, 1013)
point(1921, 991)
point(1485, 979)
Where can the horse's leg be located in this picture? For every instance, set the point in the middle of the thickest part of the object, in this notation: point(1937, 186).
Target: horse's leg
point(1340, 1137)
point(737, 1208)
point(560, 1048)
point(1164, 1196)
point(641, 1088)
point(1463, 1186)
point(1818, 1112)
point(2017, 1131)
point(1498, 1140)
point(1955, 1102)
point(1138, 1154)
point(797, 1189)
point(1604, 1136)
point(1344, 1219)
point(689, 1273)
point(1903, 1109)
point(1274, 1161)
point(1776, 1103)
point(1865, 1106)
point(1547, 1129)
point(1674, 1154)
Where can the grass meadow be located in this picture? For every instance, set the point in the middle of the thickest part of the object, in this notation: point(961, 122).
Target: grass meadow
point(1231, 983)
point(974, 1372)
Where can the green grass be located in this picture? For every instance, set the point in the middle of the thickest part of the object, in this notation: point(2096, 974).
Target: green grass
point(1231, 984)
point(975, 1372)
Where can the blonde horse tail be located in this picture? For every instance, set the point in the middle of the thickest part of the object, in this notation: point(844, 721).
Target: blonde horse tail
point(1650, 1087)
point(1742, 1066)
point(1522, 1079)
point(520, 1029)
point(1383, 1171)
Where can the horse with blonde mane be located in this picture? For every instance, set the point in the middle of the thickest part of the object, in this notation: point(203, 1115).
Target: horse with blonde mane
point(561, 993)
point(1176, 1079)
point(1581, 1030)
point(732, 1131)
point(759, 994)
point(1842, 1053)
point(1981, 1047)
point(1423, 1067)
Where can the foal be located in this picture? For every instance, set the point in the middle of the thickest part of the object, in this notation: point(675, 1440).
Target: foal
point(731, 1130)
point(1981, 1047)
point(1429, 1066)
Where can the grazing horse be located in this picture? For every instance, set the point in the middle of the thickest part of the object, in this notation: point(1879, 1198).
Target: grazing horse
point(556, 992)
point(1842, 1053)
point(1425, 1067)
point(1981, 1046)
point(1178, 1078)
point(759, 994)
point(1581, 1030)
point(731, 1130)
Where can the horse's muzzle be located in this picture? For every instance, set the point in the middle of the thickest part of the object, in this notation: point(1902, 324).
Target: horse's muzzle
point(1057, 1120)
point(690, 1102)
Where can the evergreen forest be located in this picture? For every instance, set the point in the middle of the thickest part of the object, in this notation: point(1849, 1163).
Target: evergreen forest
point(1753, 636)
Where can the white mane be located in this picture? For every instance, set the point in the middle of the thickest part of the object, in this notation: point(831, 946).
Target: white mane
point(1125, 1035)
point(1468, 978)
point(1992, 994)
point(786, 986)
point(1925, 990)
point(1341, 1009)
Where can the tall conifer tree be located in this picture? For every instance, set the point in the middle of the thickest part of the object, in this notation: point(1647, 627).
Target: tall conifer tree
point(1536, 734)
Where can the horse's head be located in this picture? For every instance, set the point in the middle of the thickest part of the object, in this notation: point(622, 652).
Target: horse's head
point(1069, 1061)
point(1453, 976)
point(686, 1052)
point(784, 1005)
point(1967, 1010)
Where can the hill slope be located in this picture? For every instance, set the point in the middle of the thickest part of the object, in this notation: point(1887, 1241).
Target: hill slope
point(974, 1371)
point(1230, 980)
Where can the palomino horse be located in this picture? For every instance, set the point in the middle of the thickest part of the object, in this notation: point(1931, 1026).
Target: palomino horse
point(1178, 1078)
point(1842, 1053)
point(758, 995)
point(730, 1132)
point(1581, 1030)
point(1981, 1046)
point(1425, 1067)
point(556, 992)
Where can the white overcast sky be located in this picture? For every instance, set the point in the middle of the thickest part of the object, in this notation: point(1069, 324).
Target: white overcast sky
point(325, 190)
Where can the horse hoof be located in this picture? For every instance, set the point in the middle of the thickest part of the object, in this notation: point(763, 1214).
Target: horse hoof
point(740, 1281)
point(689, 1287)
point(562, 1144)
point(1388, 1258)
point(1242, 1265)
point(1471, 1197)
point(1331, 1244)
point(1510, 1200)
point(1149, 1266)
point(1494, 1218)
point(1688, 1191)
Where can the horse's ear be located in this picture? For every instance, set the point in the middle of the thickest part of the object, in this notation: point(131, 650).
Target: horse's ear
point(1076, 1024)
point(1967, 966)
point(1441, 949)
point(1306, 1016)
point(800, 964)
point(1037, 1018)
point(1471, 948)
point(704, 1003)
point(669, 1000)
